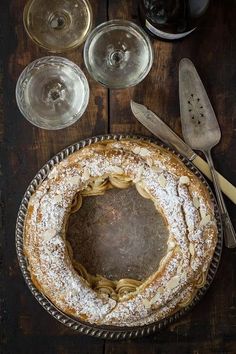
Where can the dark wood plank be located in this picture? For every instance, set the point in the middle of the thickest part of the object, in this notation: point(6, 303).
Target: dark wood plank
point(24, 149)
point(27, 328)
point(211, 326)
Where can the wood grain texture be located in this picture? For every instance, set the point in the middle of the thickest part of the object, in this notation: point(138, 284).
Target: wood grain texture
point(25, 327)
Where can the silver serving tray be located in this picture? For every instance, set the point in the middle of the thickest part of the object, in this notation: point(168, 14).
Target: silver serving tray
point(107, 332)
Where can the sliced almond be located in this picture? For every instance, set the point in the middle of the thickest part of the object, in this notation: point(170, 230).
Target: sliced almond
point(53, 173)
point(184, 180)
point(162, 180)
point(156, 169)
point(179, 269)
point(196, 202)
point(138, 175)
point(157, 296)
point(74, 180)
point(142, 191)
point(173, 282)
point(171, 245)
point(149, 161)
point(205, 220)
point(57, 198)
point(161, 290)
point(144, 152)
point(64, 163)
point(191, 249)
point(49, 234)
point(203, 213)
point(85, 174)
point(136, 150)
point(74, 292)
point(147, 303)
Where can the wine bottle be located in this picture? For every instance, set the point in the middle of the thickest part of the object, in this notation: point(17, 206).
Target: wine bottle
point(172, 19)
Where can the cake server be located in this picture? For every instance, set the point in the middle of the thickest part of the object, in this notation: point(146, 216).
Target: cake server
point(156, 126)
point(201, 131)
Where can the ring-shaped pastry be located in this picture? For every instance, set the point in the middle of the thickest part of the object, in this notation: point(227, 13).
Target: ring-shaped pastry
point(178, 195)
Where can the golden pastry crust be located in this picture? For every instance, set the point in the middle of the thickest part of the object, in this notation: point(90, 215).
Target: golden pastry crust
point(177, 193)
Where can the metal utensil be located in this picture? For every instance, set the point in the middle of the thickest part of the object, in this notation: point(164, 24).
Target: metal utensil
point(153, 123)
point(201, 131)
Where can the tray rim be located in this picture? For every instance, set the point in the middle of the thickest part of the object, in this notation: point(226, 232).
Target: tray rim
point(109, 332)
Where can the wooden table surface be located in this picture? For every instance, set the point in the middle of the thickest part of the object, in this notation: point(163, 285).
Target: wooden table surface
point(26, 327)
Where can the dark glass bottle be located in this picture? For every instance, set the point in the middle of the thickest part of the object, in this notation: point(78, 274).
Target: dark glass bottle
point(172, 19)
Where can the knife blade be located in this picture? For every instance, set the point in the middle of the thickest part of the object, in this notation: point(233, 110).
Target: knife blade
point(153, 123)
point(160, 129)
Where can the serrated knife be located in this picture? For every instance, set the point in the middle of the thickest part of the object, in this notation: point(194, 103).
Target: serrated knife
point(160, 129)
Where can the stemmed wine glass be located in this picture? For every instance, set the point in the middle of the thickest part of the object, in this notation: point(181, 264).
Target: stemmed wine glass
point(118, 54)
point(58, 25)
point(52, 92)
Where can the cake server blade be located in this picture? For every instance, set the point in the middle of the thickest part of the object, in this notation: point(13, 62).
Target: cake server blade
point(201, 131)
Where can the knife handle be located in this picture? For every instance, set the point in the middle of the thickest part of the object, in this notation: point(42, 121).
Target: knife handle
point(227, 188)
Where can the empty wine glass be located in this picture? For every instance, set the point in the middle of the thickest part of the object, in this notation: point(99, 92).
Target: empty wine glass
point(52, 92)
point(58, 25)
point(118, 54)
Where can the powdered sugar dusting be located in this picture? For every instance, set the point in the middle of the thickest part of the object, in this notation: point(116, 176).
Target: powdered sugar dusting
point(158, 173)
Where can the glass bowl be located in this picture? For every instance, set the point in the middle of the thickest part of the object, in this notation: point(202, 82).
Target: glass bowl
point(58, 25)
point(118, 54)
point(52, 92)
